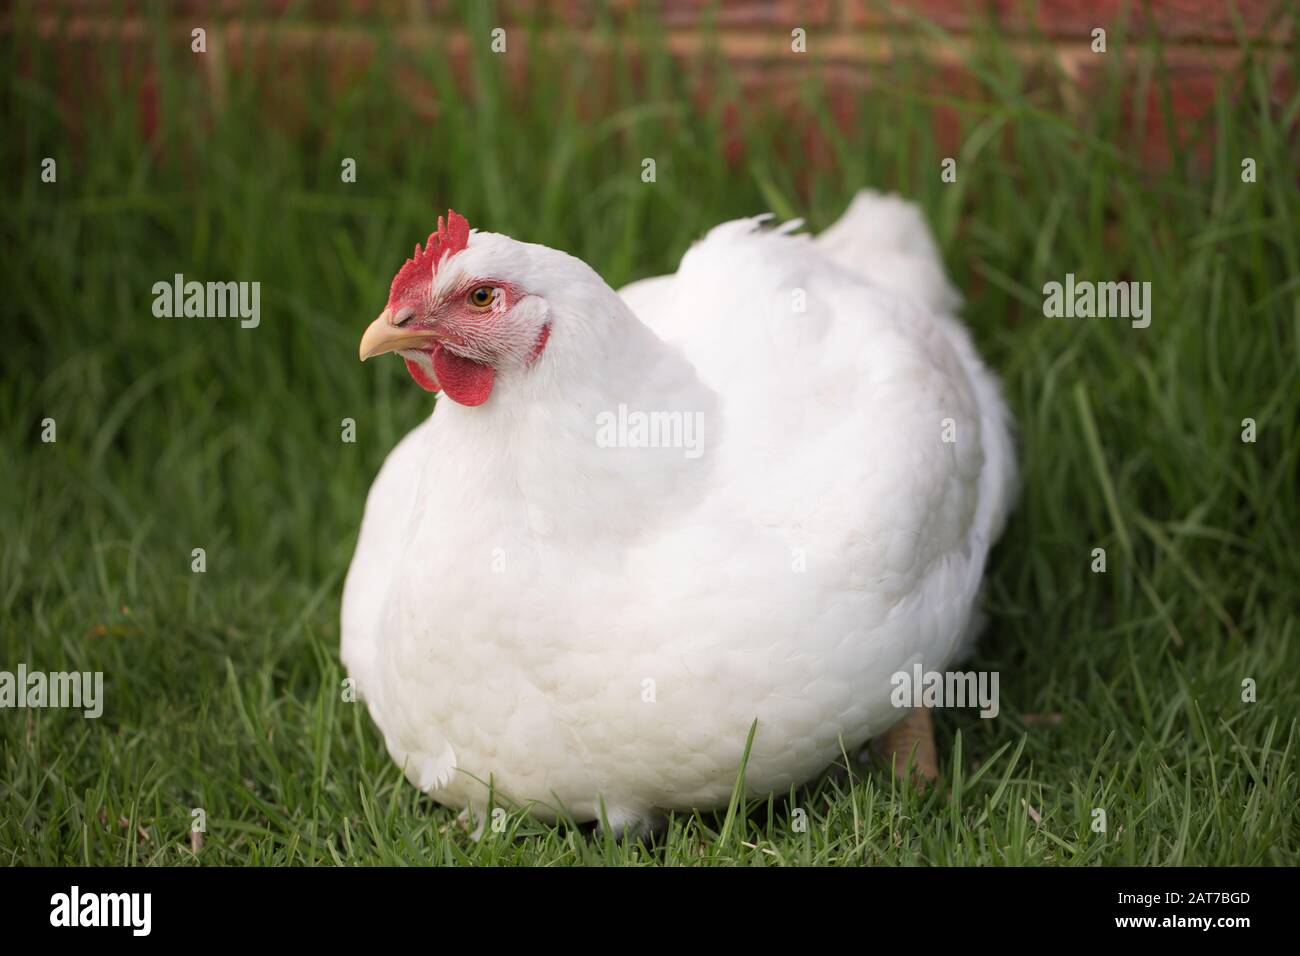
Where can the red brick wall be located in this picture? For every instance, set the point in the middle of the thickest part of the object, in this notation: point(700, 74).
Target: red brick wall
point(1200, 41)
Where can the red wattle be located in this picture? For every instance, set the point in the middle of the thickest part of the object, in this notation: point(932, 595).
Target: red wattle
point(422, 378)
point(464, 380)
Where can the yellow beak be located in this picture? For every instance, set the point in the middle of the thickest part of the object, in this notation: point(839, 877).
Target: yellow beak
point(382, 336)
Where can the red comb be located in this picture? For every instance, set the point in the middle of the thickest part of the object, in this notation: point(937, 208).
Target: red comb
point(452, 236)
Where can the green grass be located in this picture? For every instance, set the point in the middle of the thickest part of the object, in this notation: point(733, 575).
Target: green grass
point(1120, 690)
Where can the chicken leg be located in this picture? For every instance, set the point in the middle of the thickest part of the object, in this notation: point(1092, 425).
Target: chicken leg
point(911, 739)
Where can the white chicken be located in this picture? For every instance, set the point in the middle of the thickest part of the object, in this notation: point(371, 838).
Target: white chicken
point(754, 490)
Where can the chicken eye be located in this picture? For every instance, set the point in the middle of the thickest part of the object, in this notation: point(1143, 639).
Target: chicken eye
point(482, 297)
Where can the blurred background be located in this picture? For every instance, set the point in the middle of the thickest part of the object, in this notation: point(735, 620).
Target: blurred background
point(308, 146)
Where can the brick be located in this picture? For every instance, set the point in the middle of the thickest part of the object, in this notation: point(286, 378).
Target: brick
point(1190, 83)
point(777, 14)
point(1207, 20)
point(291, 43)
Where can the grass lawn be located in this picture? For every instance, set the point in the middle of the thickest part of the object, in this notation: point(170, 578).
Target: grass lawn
point(1121, 691)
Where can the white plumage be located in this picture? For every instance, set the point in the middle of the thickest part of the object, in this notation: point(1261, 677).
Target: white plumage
point(593, 629)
